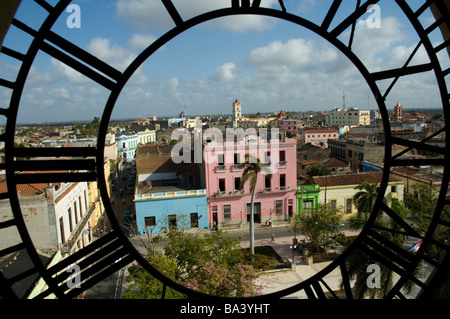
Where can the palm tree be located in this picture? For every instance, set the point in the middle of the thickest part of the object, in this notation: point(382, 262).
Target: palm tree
point(366, 197)
point(358, 261)
point(252, 167)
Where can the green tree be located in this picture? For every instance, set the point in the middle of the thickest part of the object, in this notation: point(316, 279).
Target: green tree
point(358, 261)
point(207, 262)
point(252, 167)
point(318, 170)
point(321, 228)
point(422, 206)
point(144, 286)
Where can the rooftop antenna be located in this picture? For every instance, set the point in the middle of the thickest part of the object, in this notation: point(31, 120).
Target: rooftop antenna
point(343, 100)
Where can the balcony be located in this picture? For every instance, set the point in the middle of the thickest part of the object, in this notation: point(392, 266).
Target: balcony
point(236, 168)
point(235, 192)
point(172, 192)
point(282, 164)
point(221, 169)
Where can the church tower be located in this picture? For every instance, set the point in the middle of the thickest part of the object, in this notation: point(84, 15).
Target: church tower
point(237, 112)
point(398, 113)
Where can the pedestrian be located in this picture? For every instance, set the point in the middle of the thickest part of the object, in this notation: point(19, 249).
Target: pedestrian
point(123, 200)
point(273, 237)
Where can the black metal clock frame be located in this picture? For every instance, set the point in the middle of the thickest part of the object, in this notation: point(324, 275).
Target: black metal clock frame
point(97, 264)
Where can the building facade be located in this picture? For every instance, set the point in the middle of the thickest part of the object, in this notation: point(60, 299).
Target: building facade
point(348, 117)
point(338, 190)
point(320, 137)
point(356, 152)
point(167, 207)
point(275, 192)
point(56, 216)
point(307, 199)
point(146, 136)
point(126, 146)
point(168, 194)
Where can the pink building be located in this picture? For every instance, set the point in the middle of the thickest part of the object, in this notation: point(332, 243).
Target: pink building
point(275, 196)
point(289, 125)
point(320, 137)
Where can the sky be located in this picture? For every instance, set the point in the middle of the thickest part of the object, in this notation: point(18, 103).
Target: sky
point(267, 64)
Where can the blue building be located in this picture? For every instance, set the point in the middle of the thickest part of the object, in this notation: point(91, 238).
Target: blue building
point(168, 194)
point(127, 145)
point(168, 206)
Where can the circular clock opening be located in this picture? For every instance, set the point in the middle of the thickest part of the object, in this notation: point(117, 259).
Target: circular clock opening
point(237, 155)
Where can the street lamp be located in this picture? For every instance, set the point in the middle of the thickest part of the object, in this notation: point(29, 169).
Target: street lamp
point(293, 247)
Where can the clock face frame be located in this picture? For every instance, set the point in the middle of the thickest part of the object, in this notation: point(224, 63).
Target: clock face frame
point(98, 264)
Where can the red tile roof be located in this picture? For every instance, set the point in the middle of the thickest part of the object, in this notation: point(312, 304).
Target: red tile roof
point(350, 179)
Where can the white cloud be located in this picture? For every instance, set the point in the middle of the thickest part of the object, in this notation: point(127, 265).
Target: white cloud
point(141, 41)
point(153, 14)
point(295, 54)
point(225, 73)
point(371, 43)
point(111, 53)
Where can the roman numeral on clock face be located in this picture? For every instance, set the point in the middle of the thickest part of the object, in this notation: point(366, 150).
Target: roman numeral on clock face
point(46, 165)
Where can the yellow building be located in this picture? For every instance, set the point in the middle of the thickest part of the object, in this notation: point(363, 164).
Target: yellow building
point(338, 190)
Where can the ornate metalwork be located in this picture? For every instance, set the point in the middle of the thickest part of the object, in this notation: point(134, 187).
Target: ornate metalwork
point(98, 264)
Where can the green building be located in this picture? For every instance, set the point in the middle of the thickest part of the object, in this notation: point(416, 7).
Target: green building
point(307, 198)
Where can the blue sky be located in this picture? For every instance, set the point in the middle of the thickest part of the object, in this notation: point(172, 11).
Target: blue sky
point(266, 63)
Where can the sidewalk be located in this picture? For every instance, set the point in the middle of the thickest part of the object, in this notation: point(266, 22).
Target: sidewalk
point(277, 281)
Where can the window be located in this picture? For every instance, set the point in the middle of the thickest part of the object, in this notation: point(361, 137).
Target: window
point(194, 220)
point(61, 229)
point(267, 157)
point(75, 212)
point(308, 204)
point(81, 207)
point(236, 158)
point(333, 204)
point(220, 160)
point(226, 212)
point(267, 179)
point(282, 180)
point(222, 184)
point(69, 213)
point(237, 183)
point(393, 189)
point(150, 221)
point(282, 156)
point(214, 209)
point(348, 206)
point(279, 207)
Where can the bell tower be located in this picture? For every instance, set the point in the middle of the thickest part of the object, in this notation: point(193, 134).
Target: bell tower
point(237, 112)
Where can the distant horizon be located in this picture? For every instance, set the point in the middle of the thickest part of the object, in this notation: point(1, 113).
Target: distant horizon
point(205, 115)
point(265, 62)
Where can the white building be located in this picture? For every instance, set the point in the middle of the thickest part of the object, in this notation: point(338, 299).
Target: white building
point(146, 136)
point(56, 216)
point(350, 117)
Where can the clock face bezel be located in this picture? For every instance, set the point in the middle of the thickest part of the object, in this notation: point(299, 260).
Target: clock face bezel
point(312, 283)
